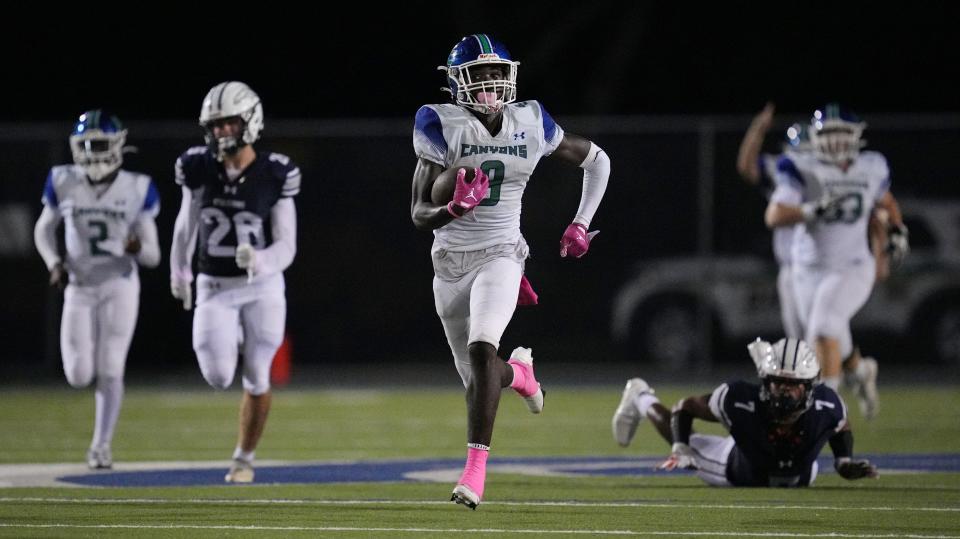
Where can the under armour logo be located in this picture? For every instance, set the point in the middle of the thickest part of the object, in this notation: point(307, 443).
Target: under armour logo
point(119, 202)
point(785, 463)
point(520, 135)
point(230, 189)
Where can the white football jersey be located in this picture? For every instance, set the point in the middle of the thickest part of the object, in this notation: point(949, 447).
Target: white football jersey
point(452, 136)
point(96, 224)
point(840, 238)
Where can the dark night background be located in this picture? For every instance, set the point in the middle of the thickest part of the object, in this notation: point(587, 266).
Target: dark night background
point(340, 90)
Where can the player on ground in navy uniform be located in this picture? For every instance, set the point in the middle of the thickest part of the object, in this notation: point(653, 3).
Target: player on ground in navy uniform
point(238, 203)
point(108, 216)
point(777, 427)
point(478, 251)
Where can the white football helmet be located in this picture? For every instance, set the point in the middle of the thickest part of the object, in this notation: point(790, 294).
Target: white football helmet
point(227, 100)
point(836, 134)
point(97, 143)
point(786, 361)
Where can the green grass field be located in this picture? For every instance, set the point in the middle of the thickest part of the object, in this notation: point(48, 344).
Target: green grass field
point(53, 426)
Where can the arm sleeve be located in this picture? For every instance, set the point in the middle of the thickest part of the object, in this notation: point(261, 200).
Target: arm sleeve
point(146, 230)
point(596, 172)
point(185, 237)
point(45, 236)
point(279, 255)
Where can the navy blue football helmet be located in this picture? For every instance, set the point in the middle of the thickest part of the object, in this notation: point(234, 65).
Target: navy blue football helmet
point(484, 96)
point(835, 134)
point(97, 143)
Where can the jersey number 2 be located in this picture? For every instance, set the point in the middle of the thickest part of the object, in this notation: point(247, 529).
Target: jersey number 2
point(100, 235)
point(248, 227)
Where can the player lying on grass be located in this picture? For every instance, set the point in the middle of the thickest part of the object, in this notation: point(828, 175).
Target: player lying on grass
point(777, 428)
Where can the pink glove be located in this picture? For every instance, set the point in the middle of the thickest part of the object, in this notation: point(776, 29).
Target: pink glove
point(526, 296)
point(467, 196)
point(576, 240)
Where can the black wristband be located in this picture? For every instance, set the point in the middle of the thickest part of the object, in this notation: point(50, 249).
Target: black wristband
point(681, 425)
point(842, 444)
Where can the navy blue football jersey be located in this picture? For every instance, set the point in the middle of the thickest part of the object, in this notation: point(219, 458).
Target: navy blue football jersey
point(234, 212)
point(765, 455)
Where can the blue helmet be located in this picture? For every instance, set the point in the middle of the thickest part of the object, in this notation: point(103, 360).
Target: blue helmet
point(835, 134)
point(484, 96)
point(97, 143)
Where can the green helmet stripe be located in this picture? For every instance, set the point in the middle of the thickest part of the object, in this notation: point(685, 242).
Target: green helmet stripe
point(485, 46)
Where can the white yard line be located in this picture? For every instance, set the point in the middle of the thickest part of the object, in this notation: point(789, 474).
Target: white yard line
point(469, 530)
point(216, 501)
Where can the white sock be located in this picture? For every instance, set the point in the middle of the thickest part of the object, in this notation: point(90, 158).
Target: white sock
point(107, 400)
point(861, 370)
point(644, 401)
point(833, 382)
point(246, 456)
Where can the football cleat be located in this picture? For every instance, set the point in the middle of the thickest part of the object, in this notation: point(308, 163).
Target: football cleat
point(627, 416)
point(241, 471)
point(867, 395)
point(533, 392)
point(100, 458)
point(463, 495)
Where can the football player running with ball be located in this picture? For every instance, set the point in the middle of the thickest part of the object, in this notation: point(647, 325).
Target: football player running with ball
point(478, 251)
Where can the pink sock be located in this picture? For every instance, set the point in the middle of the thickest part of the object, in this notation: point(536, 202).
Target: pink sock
point(475, 470)
point(523, 381)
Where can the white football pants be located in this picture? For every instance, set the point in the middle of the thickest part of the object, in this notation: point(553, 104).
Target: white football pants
point(97, 327)
point(475, 293)
point(789, 312)
point(828, 298)
point(225, 307)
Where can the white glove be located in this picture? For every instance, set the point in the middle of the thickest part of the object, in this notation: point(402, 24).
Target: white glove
point(682, 456)
point(246, 256)
point(827, 207)
point(182, 291)
point(898, 243)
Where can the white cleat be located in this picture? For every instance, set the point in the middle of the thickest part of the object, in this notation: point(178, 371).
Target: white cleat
point(463, 495)
point(524, 356)
point(241, 471)
point(627, 416)
point(867, 395)
point(100, 458)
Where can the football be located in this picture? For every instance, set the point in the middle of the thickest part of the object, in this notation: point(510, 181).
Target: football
point(446, 182)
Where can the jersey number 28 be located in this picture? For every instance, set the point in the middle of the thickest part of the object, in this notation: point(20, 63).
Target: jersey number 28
point(248, 227)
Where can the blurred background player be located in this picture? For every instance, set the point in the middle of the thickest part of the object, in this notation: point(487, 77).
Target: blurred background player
point(239, 203)
point(831, 193)
point(109, 229)
point(777, 428)
point(478, 251)
point(759, 170)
